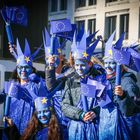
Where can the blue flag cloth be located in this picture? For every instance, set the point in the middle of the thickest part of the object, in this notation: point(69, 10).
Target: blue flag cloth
point(134, 60)
point(17, 15)
point(68, 34)
point(99, 87)
point(88, 90)
point(121, 57)
point(104, 100)
point(102, 96)
point(60, 26)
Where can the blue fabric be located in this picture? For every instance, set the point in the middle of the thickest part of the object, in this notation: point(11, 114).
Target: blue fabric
point(63, 121)
point(21, 110)
point(81, 131)
point(42, 134)
point(112, 125)
point(133, 124)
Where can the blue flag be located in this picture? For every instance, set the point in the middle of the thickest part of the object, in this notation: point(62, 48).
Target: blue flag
point(88, 90)
point(99, 87)
point(17, 15)
point(134, 60)
point(68, 34)
point(121, 57)
point(60, 26)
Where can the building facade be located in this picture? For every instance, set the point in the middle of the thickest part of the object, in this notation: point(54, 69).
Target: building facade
point(103, 15)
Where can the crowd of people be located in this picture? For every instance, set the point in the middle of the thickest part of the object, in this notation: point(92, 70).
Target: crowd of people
point(77, 100)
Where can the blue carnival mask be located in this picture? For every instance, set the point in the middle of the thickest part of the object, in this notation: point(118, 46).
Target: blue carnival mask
point(110, 66)
point(24, 71)
point(44, 115)
point(81, 67)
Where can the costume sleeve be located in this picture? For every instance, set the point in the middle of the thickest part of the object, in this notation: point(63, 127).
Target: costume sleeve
point(51, 81)
point(2, 97)
point(12, 133)
point(68, 107)
point(129, 103)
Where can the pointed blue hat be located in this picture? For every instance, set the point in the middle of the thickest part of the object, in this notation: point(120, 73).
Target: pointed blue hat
point(108, 47)
point(51, 44)
point(26, 57)
point(81, 49)
point(43, 100)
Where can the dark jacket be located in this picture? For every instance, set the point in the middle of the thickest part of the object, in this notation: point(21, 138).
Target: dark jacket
point(129, 103)
point(72, 94)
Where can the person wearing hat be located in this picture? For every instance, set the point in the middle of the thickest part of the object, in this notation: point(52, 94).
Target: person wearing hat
point(42, 126)
point(22, 91)
point(82, 122)
point(115, 119)
point(56, 72)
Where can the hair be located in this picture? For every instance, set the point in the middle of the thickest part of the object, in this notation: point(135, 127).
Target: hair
point(96, 60)
point(71, 60)
point(34, 126)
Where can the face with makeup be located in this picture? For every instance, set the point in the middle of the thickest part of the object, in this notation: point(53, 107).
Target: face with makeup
point(81, 67)
point(24, 70)
point(44, 115)
point(53, 60)
point(110, 66)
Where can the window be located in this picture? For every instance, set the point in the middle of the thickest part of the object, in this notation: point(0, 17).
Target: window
point(91, 2)
point(80, 3)
point(54, 4)
point(110, 1)
point(63, 5)
point(80, 24)
point(110, 26)
point(124, 24)
point(91, 25)
point(8, 75)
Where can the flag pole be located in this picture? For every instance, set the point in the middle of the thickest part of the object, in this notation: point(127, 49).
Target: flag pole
point(10, 38)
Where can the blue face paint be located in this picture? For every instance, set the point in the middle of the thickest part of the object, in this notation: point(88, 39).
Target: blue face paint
point(55, 62)
point(110, 66)
point(24, 71)
point(81, 67)
point(44, 115)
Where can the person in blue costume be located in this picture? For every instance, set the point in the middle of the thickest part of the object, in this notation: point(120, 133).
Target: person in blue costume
point(82, 124)
point(56, 75)
point(42, 126)
point(120, 119)
point(22, 91)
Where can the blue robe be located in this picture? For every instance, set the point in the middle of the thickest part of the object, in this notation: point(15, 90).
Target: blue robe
point(63, 121)
point(120, 120)
point(42, 134)
point(22, 108)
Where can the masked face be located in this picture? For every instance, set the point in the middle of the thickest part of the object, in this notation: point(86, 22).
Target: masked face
point(81, 67)
point(24, 71)
point(44, 115)
point(110, 66)
point(53, 61)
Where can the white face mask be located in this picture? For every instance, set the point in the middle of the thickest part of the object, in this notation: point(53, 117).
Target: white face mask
point(110, 66)
point(81, 67)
